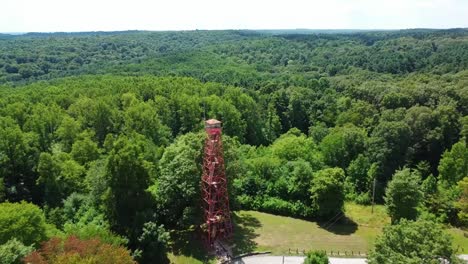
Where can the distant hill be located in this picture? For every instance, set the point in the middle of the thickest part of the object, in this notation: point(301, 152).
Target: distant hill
point(315, 31)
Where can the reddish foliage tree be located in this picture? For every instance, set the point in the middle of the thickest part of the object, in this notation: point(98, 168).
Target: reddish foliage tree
point(77, 251)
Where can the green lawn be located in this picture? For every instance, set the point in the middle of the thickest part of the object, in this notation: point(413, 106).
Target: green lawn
point(181, 259)
point(355, 232)
point(256, 231)
point(266, 232)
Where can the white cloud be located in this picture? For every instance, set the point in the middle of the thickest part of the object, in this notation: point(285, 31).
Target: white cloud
point(86, 15)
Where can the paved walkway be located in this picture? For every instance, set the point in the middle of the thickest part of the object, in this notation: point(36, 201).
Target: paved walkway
point(293, 260)
point(262, 259)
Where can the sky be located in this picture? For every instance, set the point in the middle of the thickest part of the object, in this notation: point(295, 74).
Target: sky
point(110, 15)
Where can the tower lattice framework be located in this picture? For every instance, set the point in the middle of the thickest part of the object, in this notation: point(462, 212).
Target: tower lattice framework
point(214, 186)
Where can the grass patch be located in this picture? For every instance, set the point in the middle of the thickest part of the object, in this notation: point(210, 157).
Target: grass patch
point(187, 248)
point(279, 234)
point(256, 231)
point(181, 259)
point(364, 216)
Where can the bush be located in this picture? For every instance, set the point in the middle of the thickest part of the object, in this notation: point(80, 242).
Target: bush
point(363, 199)
point(13, 251)
point(316, 257)
point(246, 202)
point(277, 206)
point(153, 243)
point(413, 242)
point(76, 251)
point(94, 230)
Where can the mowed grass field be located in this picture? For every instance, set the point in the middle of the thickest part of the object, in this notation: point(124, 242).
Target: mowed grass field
point(356, 233)
point(256, 231)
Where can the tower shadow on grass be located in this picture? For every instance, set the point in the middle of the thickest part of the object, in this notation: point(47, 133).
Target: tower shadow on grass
point(339, 226)
point(190, 244)
point(244, 233)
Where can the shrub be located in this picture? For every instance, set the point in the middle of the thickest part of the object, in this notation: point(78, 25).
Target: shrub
point(277, 206)
point(13, 251)
point(76, 251)
point(316, 257)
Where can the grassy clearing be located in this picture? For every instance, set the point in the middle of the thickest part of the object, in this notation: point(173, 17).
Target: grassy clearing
point(357, 233)
point(279, 234)
point(364, 216)
point(181, 259)
point(256, 231)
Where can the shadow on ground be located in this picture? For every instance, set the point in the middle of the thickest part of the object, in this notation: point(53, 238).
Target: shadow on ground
point(189, 244)
point(244, 233)
point(341, 226)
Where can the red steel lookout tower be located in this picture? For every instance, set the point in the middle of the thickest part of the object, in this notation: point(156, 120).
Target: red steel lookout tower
point(214, 186)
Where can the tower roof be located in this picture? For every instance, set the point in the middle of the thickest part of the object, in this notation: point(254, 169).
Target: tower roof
point(211, 123)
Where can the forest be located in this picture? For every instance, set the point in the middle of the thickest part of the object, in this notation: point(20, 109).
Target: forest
point(101, 133)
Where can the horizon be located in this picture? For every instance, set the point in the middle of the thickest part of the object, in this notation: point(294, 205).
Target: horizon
point(229, 29)
point(121, 15)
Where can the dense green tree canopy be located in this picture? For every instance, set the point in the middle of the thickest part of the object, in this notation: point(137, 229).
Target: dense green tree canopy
point(403, 195)
point(327, 192)
point(453, 166)
point(413, 242)
point(128, 174)
point(24, 221)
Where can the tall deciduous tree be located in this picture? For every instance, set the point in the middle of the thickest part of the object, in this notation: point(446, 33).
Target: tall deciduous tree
point(153, 242)
point(97, 114)
point(59, 176)
point(342, 145)
point(403, 195)
point(23, 221)
point(453, 166)
point(388, 147)
point(413, 243)
point(85, 150)
point(128, 175)
point(178, 187)
point(327, 192)
point(67, 132)
point(141, 118)
point(462, 203)
point(18, 157)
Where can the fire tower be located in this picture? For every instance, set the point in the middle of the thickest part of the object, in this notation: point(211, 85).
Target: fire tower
point(214, 186)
